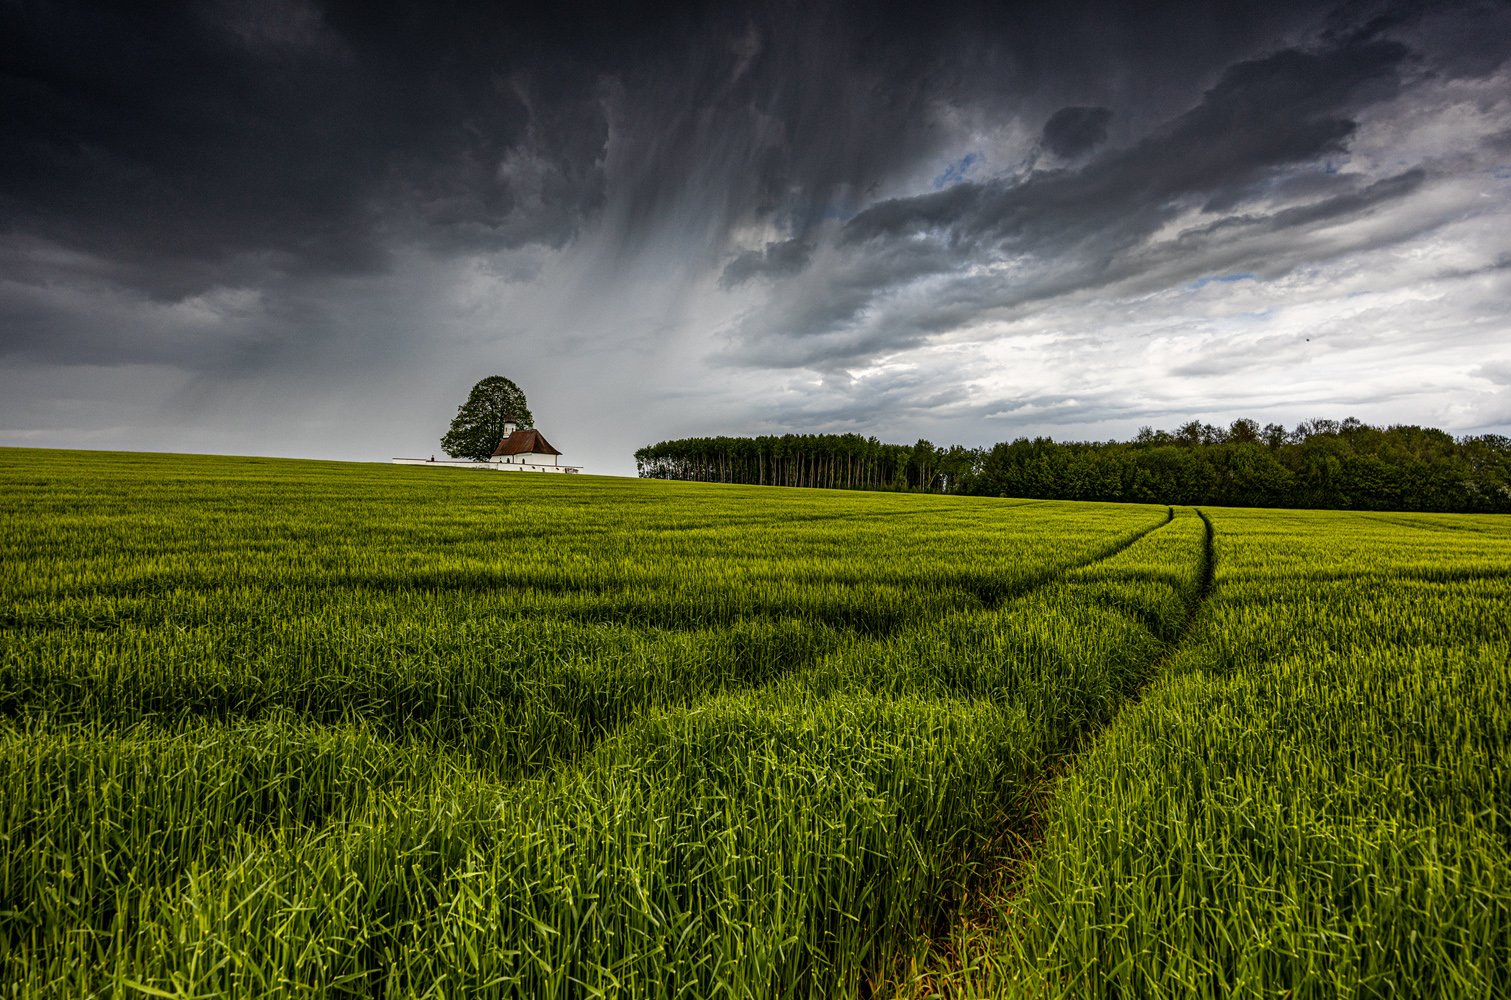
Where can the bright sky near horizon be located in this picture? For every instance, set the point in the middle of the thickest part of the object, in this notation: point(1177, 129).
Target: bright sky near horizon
point(297, 228)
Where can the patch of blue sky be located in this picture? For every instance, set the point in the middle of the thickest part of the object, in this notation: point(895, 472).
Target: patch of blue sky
point(1225, 278)
point(958, 171)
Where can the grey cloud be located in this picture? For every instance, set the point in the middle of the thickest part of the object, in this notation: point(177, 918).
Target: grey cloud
point(1349, 203)
point(178, 140)
point(1264, 115)
point(1465, 39)
point(253, 192)
point(775, 260)
point(1072, 131)
point(1497, 372)
point(1056, 231)
point(183, 140)
point(1383, 190)
point(275, 24)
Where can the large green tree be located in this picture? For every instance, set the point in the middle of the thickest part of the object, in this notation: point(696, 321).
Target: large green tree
point(479, 423)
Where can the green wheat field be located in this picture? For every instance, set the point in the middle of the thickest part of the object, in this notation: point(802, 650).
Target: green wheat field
point(275, 728)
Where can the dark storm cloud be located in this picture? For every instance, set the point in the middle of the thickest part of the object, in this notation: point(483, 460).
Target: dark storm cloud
point(1262, 116)
point(774, 260)
point(197, 143)
point(1073, 131)
point(191, 144)
point(242, 186)
point(1059, 230)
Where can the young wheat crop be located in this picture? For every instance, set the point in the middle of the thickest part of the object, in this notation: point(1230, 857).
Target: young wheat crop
point(274, 728)
point(303, 729)
point(1312, 799)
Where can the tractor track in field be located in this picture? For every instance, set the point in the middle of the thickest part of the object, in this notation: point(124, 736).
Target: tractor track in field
point(1015, 847)
point(1048, 579)
point(587, 742)
point(591, 742)
point(994, 601)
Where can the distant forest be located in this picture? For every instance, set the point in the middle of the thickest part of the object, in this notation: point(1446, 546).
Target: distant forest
point(1324, 464)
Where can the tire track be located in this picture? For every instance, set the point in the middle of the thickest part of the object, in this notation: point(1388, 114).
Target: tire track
point(973, 946)
point(992, 601)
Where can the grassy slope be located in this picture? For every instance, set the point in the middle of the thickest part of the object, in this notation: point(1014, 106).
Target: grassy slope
point(303, 728)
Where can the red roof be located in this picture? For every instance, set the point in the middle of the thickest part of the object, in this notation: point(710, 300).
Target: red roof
point(525, 442)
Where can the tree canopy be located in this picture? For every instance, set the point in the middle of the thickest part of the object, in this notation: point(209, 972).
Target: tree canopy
point(479, 423)
point(834, 461)
point(1331, 464)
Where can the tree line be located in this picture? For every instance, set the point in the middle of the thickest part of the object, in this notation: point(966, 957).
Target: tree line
point(1321, 464)
point(830, 461)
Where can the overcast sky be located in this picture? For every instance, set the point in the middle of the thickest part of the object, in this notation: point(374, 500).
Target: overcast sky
point(298, 228)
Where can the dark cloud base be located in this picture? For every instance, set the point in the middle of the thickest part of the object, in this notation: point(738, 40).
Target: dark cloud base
point(189, 144)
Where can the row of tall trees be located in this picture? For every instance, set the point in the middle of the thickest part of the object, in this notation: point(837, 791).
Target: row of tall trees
point(1323, 464)
point(831, 461)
